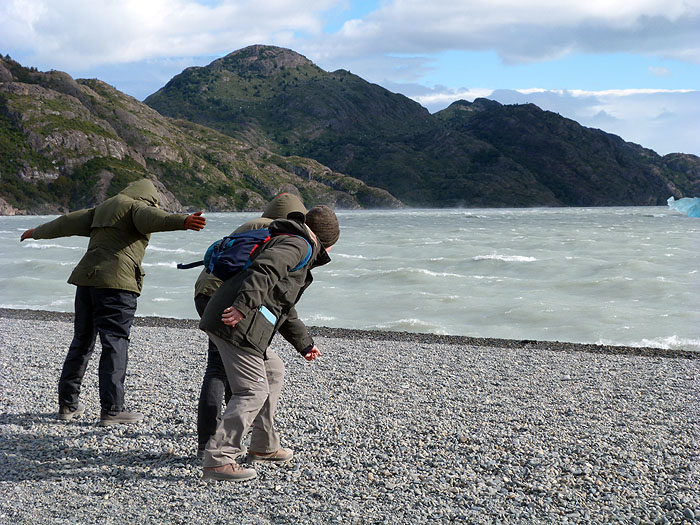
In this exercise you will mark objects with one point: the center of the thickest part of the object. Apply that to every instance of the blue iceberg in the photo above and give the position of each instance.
(688, 205)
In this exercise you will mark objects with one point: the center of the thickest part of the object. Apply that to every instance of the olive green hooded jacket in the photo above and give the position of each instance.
(267, 291)
(119, 231)
(278, 208)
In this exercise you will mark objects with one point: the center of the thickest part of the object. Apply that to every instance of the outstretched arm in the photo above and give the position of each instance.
(148, 219)
(73, 223)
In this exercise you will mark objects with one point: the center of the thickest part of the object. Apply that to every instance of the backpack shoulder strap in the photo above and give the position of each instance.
(309, 251)
(187, 266)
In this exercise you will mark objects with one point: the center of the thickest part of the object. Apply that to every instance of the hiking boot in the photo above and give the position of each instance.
(112, 417)
(279, 456)
(230, 472)
(66, 413)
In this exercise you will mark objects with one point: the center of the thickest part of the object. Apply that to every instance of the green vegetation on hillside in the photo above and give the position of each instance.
(265, 119)
(68, 144)
(478, 154)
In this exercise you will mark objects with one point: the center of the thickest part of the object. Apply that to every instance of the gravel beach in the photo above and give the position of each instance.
(386, 427)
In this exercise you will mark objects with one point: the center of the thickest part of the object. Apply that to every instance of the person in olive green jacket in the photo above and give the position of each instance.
(215, 387)
(109, 279)
(242, 317)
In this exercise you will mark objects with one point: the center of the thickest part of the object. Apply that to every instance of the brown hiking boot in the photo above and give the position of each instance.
(279, 456)
(66, 413)
(230, 472)
(109, 417)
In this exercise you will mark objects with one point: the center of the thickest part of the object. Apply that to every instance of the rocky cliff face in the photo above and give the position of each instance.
(68, 144)
(470, 154)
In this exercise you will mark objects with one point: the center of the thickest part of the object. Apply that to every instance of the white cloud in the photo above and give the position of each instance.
(618, 92)
(660, 71)
(522, 31)
(77, 34)
(445, 98)
(394, 44)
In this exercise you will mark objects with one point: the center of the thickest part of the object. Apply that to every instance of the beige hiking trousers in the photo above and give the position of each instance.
(256, 384)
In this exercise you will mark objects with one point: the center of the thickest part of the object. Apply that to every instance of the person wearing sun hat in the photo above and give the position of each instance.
(241, 318)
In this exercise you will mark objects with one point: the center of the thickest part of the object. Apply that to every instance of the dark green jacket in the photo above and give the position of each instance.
(119, 231)
(268, 283)
(277, 208)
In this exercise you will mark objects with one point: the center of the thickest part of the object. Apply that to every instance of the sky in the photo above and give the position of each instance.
(629, 67)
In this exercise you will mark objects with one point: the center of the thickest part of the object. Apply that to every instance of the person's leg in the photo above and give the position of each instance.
(211, 395)
(114, 313)
(214, 387)
(79, 352)
(265, 438)
(248, 380)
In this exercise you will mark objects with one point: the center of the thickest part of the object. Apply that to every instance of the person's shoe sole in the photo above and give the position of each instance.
(263, 459)
(111, 422)
(217, 476)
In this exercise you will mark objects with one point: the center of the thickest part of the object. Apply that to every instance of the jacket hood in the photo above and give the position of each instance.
(142, 189)
(283, 205)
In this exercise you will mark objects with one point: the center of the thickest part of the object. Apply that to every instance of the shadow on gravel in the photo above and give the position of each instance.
(88, 452)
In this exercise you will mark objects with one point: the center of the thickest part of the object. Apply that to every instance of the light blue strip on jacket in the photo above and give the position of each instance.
(268, 314)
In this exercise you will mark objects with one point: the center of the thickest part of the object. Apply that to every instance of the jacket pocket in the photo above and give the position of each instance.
(261, 329)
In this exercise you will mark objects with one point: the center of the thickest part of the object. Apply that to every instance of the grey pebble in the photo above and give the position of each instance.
(387, 428)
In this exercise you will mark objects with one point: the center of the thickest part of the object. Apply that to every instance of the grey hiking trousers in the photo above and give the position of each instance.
(256, 384)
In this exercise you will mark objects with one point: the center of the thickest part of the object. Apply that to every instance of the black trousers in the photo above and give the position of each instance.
(215, 387)
(109, 313)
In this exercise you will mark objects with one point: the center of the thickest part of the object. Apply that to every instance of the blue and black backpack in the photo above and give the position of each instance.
(234, 253)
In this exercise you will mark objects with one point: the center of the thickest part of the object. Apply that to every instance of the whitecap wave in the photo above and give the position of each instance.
(174, 250)
(38, 246)
(504, 258)
(166, 264)
(497, 278)
(318, 318)
(410, 325)
(671, 342)
(421, 271)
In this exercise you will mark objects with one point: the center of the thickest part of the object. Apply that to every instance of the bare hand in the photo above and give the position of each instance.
(231, 316)
(312, 354)
(195, 221)
(29, 234)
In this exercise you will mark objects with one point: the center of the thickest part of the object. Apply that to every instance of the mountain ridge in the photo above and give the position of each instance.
(390, 141)
(69, 143)
(265, 119)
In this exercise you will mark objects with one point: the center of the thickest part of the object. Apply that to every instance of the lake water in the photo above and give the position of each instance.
(625, 276)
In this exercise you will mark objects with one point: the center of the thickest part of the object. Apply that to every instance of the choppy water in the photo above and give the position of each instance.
(625, 276)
